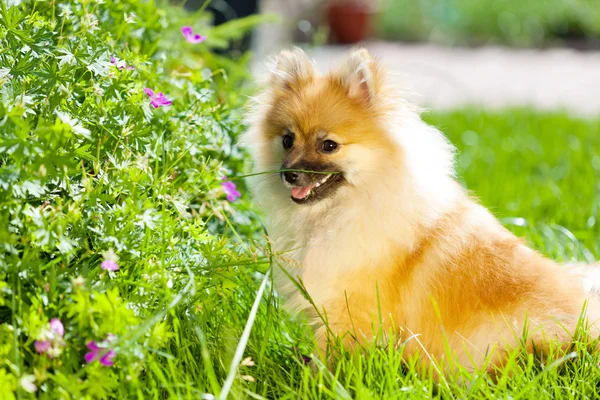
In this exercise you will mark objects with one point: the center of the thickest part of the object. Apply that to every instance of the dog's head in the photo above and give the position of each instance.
(323, 132)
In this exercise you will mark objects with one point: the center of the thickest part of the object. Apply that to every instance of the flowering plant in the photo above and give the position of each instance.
(109, 194)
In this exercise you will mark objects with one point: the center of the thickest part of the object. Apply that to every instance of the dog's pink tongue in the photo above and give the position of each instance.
(301, 192)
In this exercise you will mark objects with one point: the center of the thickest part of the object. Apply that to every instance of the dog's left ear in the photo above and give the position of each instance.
(292, 69)
(360, 75)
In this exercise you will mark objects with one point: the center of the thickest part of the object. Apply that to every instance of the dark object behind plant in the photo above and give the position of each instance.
(227, 10)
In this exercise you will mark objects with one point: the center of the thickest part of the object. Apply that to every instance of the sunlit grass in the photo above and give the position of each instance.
(476, 22)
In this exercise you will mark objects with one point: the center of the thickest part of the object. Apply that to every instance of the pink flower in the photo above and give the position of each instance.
(188, 34)
(110, 261)
(101, 352)
(57, 327)
(109, 265)
(120, 64)
(42, 346)
(230, 190)
(50, 340)
(157, 99)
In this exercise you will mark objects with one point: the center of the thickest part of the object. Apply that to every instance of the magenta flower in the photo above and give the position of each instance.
(50, 340)
(158, 99)
(110, 261)
(120, 64)
(42, 346)
(109, 265)
(57, 327)
(230, 190)
(101, 352)
(188, 34)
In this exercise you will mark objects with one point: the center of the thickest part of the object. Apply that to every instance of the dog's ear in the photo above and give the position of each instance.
(360, 75)
(292, 68)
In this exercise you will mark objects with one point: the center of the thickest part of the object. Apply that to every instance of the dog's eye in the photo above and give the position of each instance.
(329, 146)
(288, 141)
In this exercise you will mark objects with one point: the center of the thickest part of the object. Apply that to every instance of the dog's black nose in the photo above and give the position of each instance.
(291, 177)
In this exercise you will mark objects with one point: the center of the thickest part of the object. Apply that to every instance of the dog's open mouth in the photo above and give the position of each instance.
(319, 190)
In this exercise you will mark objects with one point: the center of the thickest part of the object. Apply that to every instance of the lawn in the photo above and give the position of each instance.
(477, 22)
(129, 270)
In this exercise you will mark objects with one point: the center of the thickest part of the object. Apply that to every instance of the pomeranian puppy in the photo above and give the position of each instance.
(367, 215)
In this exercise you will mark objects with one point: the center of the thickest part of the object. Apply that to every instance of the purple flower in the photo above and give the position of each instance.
(109, 265)
(120, 64)
(50, 340)
(305, 359)
(110, 261)
(101, 352)
(157, 99)
(188, 34)
(57, 327)
(230, 190)
(42, 346)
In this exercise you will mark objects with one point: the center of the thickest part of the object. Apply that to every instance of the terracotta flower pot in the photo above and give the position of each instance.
(349, 21)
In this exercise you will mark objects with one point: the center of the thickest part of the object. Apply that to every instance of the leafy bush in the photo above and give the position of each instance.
(513, 22)
(94, 178)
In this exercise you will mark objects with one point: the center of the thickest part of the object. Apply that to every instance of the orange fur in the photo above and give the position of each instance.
(401, 244)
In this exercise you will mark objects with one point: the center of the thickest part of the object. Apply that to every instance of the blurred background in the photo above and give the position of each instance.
(444, 54)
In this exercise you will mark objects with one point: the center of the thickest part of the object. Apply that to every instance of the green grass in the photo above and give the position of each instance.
(476, 22)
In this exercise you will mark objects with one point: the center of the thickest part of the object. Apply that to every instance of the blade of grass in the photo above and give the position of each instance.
(241, 347)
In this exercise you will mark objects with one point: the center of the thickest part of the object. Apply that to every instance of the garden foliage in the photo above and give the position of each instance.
(111, 197)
